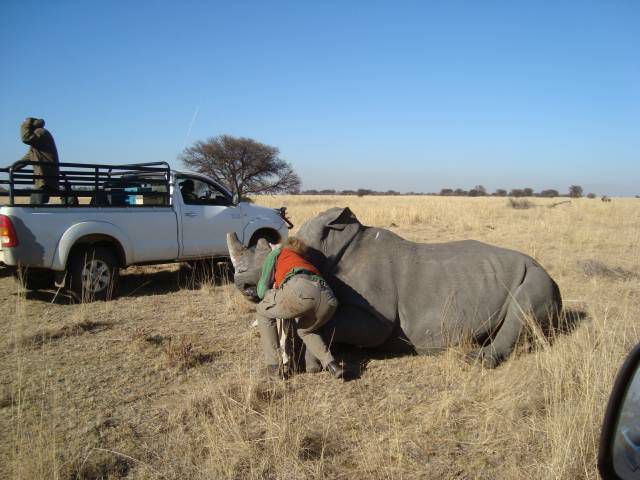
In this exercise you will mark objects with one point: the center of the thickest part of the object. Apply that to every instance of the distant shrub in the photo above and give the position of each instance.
(478, 191)
(550, 193)
(591, 195)
(519, 203)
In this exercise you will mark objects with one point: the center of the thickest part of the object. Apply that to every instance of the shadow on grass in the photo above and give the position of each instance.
(570, 320)
(6, 272)
(45, 336)
(353, 359)
(356, 360)
(142, 284)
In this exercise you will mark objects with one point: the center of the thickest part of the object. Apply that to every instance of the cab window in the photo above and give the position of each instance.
(197, 192)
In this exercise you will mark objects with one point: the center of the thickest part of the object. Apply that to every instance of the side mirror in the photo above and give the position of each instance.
(619, 454)
(235, 199)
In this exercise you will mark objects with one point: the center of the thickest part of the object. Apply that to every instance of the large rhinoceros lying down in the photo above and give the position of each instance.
(396, 294)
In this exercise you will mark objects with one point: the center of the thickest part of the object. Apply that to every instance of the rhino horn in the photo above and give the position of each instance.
(235, 247)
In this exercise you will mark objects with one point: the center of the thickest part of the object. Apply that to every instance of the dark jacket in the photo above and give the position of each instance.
(42, 149)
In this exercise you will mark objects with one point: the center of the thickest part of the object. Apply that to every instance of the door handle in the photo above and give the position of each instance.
(191, 214)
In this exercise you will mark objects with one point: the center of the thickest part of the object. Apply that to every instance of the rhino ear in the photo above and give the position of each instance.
(342, 218)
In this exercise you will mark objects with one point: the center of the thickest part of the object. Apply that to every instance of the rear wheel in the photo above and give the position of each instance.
(93, 273)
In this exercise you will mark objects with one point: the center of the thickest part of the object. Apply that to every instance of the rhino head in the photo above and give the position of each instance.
(327, 235)
(247, 263)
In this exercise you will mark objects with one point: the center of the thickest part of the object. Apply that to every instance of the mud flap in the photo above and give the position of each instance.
(60, 278)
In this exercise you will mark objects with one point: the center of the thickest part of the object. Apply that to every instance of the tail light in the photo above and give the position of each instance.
(8, 237)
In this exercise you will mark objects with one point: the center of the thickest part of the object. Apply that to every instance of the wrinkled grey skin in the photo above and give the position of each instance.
(397, 295)
(247, 263)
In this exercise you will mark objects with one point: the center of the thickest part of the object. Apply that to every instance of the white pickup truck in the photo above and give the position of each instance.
(110, 217)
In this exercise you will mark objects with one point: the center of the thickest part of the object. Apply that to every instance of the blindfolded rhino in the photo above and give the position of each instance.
(399, 295)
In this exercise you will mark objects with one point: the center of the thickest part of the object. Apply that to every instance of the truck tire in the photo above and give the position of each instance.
(34, 279)
(92, 273)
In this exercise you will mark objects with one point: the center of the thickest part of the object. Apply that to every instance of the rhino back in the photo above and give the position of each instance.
(438, 292)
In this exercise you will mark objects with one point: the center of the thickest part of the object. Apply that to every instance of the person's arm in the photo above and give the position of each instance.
(30, 134)
(266, 278)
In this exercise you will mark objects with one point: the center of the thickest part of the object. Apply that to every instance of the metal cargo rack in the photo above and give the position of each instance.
(91, 185)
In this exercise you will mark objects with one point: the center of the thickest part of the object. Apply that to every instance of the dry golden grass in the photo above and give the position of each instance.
(162, 382)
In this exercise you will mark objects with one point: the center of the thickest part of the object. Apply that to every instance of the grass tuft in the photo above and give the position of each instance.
(520, 203)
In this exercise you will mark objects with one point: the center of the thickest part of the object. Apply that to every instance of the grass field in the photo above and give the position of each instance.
(162, 382)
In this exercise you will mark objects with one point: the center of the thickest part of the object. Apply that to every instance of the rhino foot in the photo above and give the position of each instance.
(483, 357)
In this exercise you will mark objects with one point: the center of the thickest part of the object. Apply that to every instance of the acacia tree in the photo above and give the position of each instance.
(244, 165)
(575, 191)
(478, 191)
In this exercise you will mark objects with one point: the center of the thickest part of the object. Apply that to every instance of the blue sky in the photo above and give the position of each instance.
(411, 96)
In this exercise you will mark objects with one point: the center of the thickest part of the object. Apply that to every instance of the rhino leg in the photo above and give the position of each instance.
(397, 343)
(353, 325)
(538, 297)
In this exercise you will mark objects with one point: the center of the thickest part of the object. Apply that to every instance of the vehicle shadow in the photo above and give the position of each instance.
(141, 284)
(6, 272)
(144, 283)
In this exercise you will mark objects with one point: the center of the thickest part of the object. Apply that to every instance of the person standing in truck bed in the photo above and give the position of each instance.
(42, 148)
